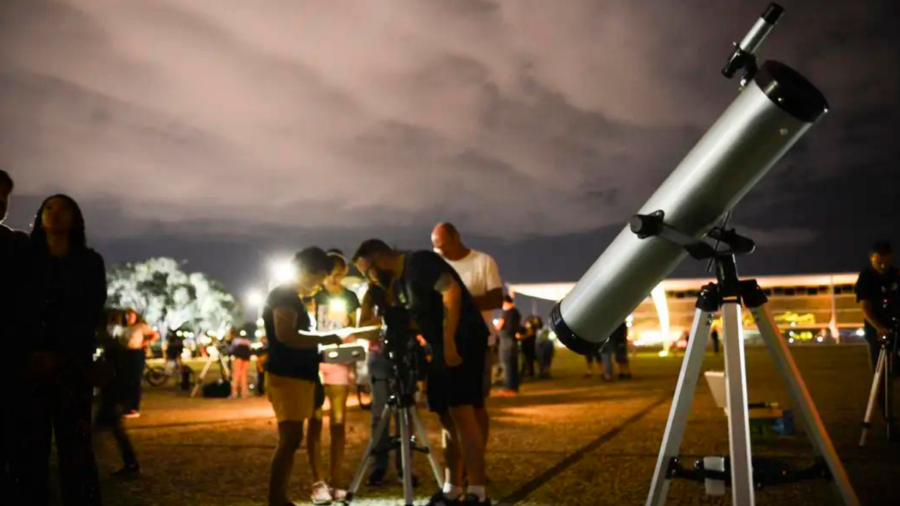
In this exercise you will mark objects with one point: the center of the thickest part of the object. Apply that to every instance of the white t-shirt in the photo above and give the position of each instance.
(480, 274)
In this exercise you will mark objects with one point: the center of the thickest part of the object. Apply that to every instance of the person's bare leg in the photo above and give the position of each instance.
(338, 398)
(245, 384)
(290, 435)
(484, 424)
(314, 448)
(453, 461)
(470, 444)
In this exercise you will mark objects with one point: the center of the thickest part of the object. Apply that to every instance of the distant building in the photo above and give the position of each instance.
(809, 308)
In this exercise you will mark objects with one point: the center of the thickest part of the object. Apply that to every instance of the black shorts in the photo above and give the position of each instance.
(458, 386)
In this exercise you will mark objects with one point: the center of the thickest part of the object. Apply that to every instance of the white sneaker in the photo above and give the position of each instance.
(321, 494)
(339, 495)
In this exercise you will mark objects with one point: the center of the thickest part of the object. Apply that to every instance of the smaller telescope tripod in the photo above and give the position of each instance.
(883, 380)
(403, 407)
(223, 369)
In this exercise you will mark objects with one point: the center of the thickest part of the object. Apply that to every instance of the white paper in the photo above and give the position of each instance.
(342, 333)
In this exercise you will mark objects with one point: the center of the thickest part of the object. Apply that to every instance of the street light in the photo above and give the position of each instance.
(283, 271)
(255, 298)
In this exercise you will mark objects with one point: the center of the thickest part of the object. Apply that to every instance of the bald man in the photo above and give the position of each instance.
(481, 276)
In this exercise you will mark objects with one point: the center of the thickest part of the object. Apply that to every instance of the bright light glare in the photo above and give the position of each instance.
(791, 340)
(283, 271)
(255, 298)
(861, 333)
(820, 339)
(664, 353)
(337, 306)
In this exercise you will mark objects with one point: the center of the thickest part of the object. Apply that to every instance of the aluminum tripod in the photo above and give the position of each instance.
(727, 295)
(883, 382)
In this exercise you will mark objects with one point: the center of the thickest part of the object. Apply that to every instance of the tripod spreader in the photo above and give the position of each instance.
(767, 472)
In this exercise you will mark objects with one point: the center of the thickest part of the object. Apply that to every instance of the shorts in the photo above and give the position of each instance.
(457, 386)
(337, 397)
(293, 399)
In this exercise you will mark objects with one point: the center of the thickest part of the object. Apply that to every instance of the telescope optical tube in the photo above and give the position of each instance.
(771, 114)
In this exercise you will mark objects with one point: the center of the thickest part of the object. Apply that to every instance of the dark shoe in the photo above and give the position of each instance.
(472, 500)
(376, 479)
(439, 499)
(127, 471)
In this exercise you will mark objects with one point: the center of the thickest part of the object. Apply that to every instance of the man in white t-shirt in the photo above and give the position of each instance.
(481, 276)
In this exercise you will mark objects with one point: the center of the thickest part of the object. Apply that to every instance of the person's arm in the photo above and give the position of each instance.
(451, 293)
(501, 323)
(869, 311)
(493, 299)
(285, 324)
(490, 301)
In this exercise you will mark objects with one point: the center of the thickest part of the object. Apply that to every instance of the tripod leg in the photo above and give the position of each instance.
(423, 440)
(406, 455)
(202, 376)
(681, 407)
(370, 450)
(873, 398)
(888, 375)
(742, 490)
(784, 362)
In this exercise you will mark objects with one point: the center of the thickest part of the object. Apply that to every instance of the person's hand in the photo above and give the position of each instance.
(453, 359)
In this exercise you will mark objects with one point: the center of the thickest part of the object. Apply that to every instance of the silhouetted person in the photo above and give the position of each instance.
(714, 335)
(13, 256)
(67, 291)
(509, 326)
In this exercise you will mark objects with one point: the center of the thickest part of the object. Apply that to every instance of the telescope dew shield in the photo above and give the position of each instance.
(771, 113)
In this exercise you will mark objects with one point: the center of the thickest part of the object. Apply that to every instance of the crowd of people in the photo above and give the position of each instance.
(53, 296)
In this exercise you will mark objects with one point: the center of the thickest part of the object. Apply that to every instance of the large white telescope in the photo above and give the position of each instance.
(775, 108)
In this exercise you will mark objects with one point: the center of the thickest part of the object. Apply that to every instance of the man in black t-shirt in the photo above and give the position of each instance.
(293, 363)
(878, 291)
(448, 318)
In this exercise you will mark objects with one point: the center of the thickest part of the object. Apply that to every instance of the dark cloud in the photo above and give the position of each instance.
(538, 127)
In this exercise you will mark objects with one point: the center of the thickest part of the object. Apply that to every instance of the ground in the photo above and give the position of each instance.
(566, 441)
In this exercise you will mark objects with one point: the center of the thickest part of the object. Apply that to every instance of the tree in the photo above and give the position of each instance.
(168, 297)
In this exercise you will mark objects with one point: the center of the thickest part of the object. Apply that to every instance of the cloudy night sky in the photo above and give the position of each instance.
(231, 133)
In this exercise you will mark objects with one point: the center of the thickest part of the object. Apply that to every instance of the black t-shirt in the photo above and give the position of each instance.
(512, 319)
(14, 248)
(882, 290)
(283, 359)
(415, 291)
(333, 311)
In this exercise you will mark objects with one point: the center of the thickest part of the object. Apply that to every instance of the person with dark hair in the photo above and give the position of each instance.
(67, 292)
(115, 393)
(446, 315)
(138, 337)
(13, 257)
(240, 351)
(293, 362)
(878, 291)
(509, 325)
(335, 307)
